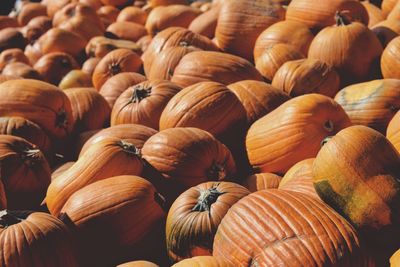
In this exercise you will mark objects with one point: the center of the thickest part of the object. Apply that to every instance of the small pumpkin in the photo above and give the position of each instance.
(114, 2)
(261, 181)
(305, 76)
(144, 42)
(202, 261)
(133, 14)
(154, 3)
(395, 13)
(127, 30)
(12, 55)
(205, 23)
(22, 70)
(33, 53)
(390, 59)
(30, 11)
(54, 6)
(100, 46)
(293, 132)
(76, 78)
(117, 61)
(372, 103)
(393, 131)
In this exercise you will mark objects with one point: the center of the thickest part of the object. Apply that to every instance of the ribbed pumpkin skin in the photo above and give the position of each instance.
(117, 84)
(241, 20)
(89, 109)
(200, 66)
(390, 60)
(107, 158)
(132, 133)
(117, 61)
(206, 23)
(26, 129)
(393, 131)
(372, 104)
(286, 32)
(194, 217)
(261, 181)
(40, 240)
(318, 14)
(138, 264)
(258, 98)
(38, 102)
(202, 261)
(293, 132)
(209, 106)
(174, 36)
(306, 76)
(296, 230)
(352, 49)
(119, 212)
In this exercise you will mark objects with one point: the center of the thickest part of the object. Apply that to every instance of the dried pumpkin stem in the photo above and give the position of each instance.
(140, 93)
(130, 148)
(206, 199)
(114, 69)
(341, 19)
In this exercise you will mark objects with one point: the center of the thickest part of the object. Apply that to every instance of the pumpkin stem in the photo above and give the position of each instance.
(130, 148)
(326, 140)
(29, 155)
(8, 218)
(114, 69)
(217, 172)
(61, 119)
(329, 126)
(206, 199)
(184, 43)
(139, 93)
(341, 19)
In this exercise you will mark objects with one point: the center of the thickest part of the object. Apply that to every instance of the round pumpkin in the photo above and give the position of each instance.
(36, 28)
(114, 2)
(35, 239)
(357, 173)
(30, 11)
(202, 261)
(133, 14)
(26, 129)
(195, 215)
(390, 59)
(395, 13)
(127, 30)
(100, 46)
(375, 14)
(372, 103)
(12, 55)
(294, 228)
(38, 102)
(76, 78)
(293, 132)
(117, 61)
(393, 131)
(104, 159)
(206, 23)
(84, 26)
(54, 6)
(76, 9)
(261, 181)
(61, 169)
(144, 42)
(22, 70)
(258, 98)
(306, 76)
(143, 103)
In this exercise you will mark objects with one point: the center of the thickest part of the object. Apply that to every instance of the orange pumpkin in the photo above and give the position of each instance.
(127, 30)
(76, 78)
(33, 53)
(36, 28)
(89, 65)
(144, 42)
(3, 198)
(393, 131)
(154, 3)
(22, 70)
(30, 11)
(261, 181)
(8, 22)
(390, 59)
(205, 23)
(108, 14)
(54, 6)
(133, 14)
(395, 13)
(114, 2)
(100, 46)
(293, 132)
(395, 259)
(83, 26)
(74, 10)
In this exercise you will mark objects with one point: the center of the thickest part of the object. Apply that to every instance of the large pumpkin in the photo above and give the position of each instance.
(35, 239)
(357, 173)
(372, 104)
(195, 215)
(294, 229)
(38, 102)
(293, 132)
(143, 103)
(393, 131)
(107, 158)
(241, 20)
(390, 59)
(77, 9)
(200, 66)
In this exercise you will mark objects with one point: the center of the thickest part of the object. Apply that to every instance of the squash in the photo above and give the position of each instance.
(194, 217)
(12, 55)
(205, 23)
(390, 59)
(127, 30)
(393, 131)
(293, 132)
(133, 14)
(261, 181)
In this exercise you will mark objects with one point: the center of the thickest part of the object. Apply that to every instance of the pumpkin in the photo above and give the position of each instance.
(89, 109)
(194, 217)
(205, 23)
(8, 22)
(22, 70)
(84, 26)
(11, 38)
(144, 42)
(299, 178)
(163, 17)
(366, 194)
(30, 11)
(4, 78)
(387, 6)
(318, 14)
(107, 158)
(100, 46)
(306, 76)
(25, 172)
(245, 20)
(164, 64)
(76, 78)
(390, 59)
(36, 28)
(127, 30)
(35, 239)
(372, 103)
(59, 40)
(12, 55)
(143, 103)
(89, 65)
(258, 98)
(133, 14)
(289, 32)
(174, 36)
(39, 102)
(117, 84)
(52, 67)
(3, 198)
(154, 3)
(114, 2)
(187, 157)
(201, 261)
(54, 6)
(393, 131)
(395, 13)
(100, 211)
(386, 31)
(95, 4)
(201, 66)
(26, 129)
(117, 61)
(395, 259)
(375, 14)
(135, 134)
(294, 228)
(83, 137)
(261, 181)
(74, 10)
(340, 47)
(108, 14)
(293, 132)
(61, 169)
(33, 53)
(138, 264)
(274, 56)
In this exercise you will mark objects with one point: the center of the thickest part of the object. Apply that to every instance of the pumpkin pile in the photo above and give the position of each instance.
(207, 133)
